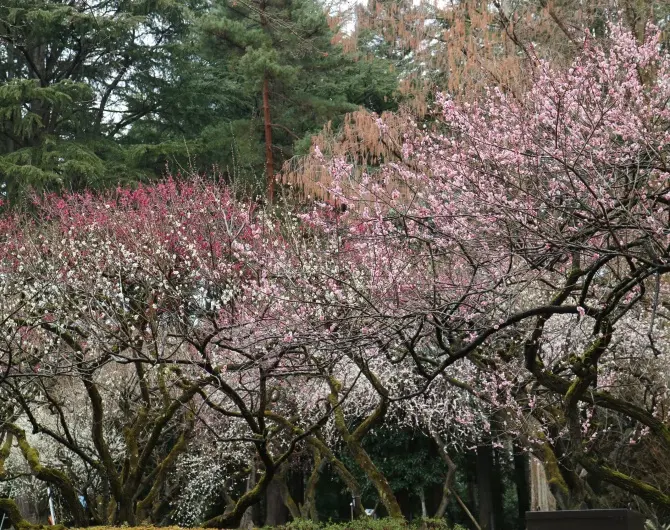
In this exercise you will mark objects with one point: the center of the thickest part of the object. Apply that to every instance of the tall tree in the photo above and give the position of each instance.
(537, 228)
(282, 53)
(74, 76)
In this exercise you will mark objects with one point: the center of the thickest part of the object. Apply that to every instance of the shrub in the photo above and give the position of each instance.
(370, 524)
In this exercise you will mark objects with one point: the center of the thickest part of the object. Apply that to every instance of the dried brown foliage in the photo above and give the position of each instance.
(359, 141)
(461, 47)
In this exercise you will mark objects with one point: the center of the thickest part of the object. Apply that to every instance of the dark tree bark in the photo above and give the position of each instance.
(276, 512)
(484, 483)
(497, 490)
(522, 482)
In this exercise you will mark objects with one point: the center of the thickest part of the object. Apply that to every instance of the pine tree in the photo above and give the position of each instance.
(97, 93)
(281, 53)
(74, 76)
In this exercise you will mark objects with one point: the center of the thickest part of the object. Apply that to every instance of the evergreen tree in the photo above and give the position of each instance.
(97, 93)
(74, 76)
(281, 53)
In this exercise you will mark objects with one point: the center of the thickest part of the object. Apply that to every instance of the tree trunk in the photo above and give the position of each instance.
(375, 476)
(287, 497)
(52, 476)
(521, 479)
(360, 455)
(484, 483)
(349, 481)
(276, 512)
(126, 513)
(232, 518)
(422, 498)
(449, 479)
(308, 509)
(497, 490)
(247, 521)
(14, 515)
(269, 162)
(471, 465)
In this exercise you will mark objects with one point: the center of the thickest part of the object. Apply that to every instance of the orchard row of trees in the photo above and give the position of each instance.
(169, 347)
(171, 352)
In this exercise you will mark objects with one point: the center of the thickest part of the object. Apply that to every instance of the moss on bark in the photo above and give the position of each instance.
(361, 456)
(50, 475)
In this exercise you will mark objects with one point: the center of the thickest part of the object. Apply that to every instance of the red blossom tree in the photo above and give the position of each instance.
(128, 314)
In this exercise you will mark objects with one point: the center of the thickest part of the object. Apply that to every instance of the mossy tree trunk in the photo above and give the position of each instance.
(308, 508)
(130, 493)
(359, 454)
(319, 445)
(52, 476)
(13, 514)
(570, 491)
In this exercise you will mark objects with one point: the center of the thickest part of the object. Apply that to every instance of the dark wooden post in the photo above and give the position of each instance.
(585, 520)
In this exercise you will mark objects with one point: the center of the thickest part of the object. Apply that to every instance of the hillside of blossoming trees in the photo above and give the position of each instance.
(458, 310)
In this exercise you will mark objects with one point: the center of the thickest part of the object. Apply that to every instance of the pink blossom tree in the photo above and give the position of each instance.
(529, 235)
(517, 253)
